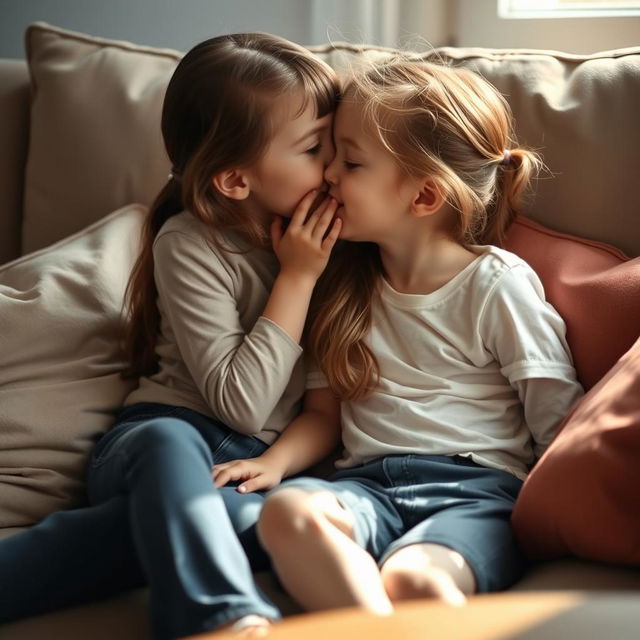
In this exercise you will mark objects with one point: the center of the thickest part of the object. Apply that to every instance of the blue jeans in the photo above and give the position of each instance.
(400, 500)
(154, 517)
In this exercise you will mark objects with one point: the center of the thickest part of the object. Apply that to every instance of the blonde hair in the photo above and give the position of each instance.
(435, 120)
(216, 115)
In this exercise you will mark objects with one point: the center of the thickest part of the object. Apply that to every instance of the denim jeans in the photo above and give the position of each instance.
(154, 517)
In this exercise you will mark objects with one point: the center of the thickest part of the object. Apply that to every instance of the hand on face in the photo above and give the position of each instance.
(303, 249)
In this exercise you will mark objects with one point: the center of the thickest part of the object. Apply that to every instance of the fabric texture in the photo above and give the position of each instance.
(217, 355)
(595, 288)
(60, 311)
(451, 367)
(582, 497)
(95, 122)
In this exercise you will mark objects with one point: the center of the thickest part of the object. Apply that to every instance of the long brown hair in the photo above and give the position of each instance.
(215, 116)
(438, 121)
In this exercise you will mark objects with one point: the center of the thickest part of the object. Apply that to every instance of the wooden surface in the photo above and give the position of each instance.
(548, 615)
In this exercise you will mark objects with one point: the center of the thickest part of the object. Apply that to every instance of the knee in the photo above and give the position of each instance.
(165, 433)
(287, 517)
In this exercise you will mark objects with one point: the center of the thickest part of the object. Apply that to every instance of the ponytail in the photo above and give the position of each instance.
(141, 311)
(516, 170)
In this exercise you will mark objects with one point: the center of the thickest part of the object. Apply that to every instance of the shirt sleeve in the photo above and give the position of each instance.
(241, 374)
(315, 378)
(526, 335)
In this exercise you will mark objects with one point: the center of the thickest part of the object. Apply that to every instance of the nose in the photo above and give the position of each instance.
(330, 173)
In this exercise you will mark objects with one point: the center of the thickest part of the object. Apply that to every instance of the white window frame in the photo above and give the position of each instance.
(567, 8)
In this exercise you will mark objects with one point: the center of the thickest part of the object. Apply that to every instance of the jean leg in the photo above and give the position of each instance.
(198, 574)
(68, 558)
(244, 510)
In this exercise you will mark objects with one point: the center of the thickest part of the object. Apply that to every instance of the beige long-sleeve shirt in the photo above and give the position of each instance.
(217, 354)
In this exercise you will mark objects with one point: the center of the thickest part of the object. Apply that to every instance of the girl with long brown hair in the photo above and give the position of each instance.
(452, 370)
(217, 303)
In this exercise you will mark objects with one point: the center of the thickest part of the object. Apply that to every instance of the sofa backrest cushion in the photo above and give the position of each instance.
(95, 130)
(60, 384)
(95, 140)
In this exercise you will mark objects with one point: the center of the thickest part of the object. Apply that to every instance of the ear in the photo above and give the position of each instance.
(428, 200)
(232, 183)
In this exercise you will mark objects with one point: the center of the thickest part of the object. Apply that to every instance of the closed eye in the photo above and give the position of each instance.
(314, 150)
(351, 165)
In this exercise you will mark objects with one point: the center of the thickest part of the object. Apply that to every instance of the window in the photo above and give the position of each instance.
(567, 8)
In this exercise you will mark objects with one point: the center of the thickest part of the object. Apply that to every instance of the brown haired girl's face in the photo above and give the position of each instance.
(375, 196)
(295, 159)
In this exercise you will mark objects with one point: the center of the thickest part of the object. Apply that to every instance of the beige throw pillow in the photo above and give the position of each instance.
(60, 310)
(95, 142)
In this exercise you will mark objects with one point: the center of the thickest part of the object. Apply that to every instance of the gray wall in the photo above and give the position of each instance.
(176, 24)
(179, 24)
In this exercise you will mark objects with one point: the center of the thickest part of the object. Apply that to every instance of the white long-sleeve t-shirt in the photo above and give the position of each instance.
(217, 354)
(479, 368)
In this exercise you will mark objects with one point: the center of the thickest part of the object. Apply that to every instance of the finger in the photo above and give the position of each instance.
(255, 484)
(228, 474)
(319, 210)
(301, 211)
(330, 239)
(325, 219)
(220, 479)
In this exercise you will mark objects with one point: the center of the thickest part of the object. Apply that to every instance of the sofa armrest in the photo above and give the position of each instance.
(14, 139)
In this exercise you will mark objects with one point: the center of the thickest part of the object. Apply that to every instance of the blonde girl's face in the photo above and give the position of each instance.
(374, 195)
(295, 159)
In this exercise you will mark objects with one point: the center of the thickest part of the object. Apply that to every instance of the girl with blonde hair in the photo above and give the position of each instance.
(451, 371)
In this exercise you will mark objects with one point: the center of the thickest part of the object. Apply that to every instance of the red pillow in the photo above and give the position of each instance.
(593, 286)
(583, 496)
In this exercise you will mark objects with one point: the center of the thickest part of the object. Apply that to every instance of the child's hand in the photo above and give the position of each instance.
(305, 246)
(256, 473)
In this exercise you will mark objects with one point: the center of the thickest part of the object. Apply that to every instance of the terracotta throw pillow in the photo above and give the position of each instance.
(593, 286)
(60, 383)
(583, 496)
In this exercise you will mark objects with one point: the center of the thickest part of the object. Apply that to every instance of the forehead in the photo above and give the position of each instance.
(292, 114)
(351, 124)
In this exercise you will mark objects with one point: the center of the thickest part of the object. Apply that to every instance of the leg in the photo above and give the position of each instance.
(244, 510)
(312, 534)
(69, 557)
(427, 571)
(198, 574)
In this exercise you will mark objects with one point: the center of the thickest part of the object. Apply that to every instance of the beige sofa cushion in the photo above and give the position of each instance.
(60, 310)
(95, 130)
(96, 145)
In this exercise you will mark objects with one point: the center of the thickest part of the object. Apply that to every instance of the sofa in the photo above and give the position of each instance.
(82, 157)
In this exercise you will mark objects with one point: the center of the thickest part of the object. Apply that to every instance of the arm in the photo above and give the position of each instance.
(308, 439)
(241, 374)
(527, 337)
